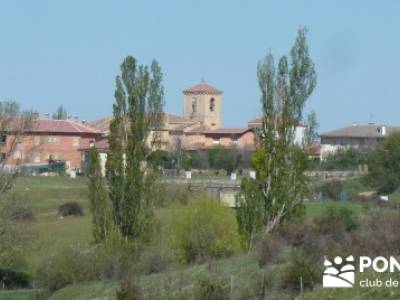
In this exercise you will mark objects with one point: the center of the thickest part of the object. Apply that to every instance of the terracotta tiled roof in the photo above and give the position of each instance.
(171, 122)
(362, 131)
(197, 129)
(102, 124)
(227, 131)
(203, 88)
(259, 120)
(60, 126)
(171, 118)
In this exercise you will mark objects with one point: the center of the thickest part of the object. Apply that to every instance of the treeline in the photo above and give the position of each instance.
(216, 158)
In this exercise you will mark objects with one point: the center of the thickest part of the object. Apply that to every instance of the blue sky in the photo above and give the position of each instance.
(69, 52)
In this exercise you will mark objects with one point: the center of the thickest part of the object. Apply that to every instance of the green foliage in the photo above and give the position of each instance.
(279, 162)
(344, 159)
(129, 290)
(60, 114)
(98, 199)
(223, 158)
(160, 158)
(204, 229)
(384, 166)
(71, 208)
(70, 265)
(250, 213)
(11, 279)
(137, 112)
(332, 189)
(310, 132)
(211, 287)
(337, 215)
(301, 267)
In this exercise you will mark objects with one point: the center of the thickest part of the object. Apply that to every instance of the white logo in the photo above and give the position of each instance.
(339, 274)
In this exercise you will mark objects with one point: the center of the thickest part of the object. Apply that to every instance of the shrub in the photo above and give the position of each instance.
(71, 208)
(301, 268)
(211, 287)
(154, 260)
(10, 279)
(332, 189)
(22, 214)
(337, 215)
(204, 229)
(129, 289)
(71, 265)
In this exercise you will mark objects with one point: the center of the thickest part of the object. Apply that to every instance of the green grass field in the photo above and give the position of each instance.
(46, 194)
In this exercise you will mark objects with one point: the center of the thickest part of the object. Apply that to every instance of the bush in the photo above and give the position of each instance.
(22, 214)
(10, 279)
(345, 159)
(71, 208)
(301, 268)
(204, 229)
(129, 289)
(332, 189)
(211, 288)
(71, 265)
(337, 215)
(154, 260)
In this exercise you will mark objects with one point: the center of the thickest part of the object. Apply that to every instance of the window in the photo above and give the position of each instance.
(36, 140)
(52, 140)
(212, 104)
(3, 138)
(194, 106)
(75, 141)
(3, 156)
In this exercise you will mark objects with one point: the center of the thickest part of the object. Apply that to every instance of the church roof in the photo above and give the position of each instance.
(202, 88)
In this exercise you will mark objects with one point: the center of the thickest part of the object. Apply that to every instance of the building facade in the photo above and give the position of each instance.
(363, 137)
(46, 140)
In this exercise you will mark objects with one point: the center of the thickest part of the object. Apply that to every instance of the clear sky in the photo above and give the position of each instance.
(69, 52)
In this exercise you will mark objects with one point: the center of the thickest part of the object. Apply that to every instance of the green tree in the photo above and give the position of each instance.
(98, 199)
(136, 124)
(384, 166)
(278, 161)
(222, 158)
(311, 129)
(204, 229)
(250, 212)
(14, 237)
(60, 114)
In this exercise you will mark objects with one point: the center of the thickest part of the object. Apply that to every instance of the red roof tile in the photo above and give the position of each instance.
(227, 131)
(60, 126)
(203, 88)
(259, 121)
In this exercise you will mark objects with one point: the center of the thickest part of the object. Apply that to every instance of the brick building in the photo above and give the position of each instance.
(46, 140)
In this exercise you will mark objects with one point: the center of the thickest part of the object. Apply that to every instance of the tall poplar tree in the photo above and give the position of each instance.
(98, 199)
(279, 162)
(134, 131)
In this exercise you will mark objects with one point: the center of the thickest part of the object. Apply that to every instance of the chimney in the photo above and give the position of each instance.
(76, 118)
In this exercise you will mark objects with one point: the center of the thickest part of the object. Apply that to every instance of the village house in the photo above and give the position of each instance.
(363, 137)
(198, 129)
(45, 140)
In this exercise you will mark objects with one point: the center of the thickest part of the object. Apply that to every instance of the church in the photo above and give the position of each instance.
(199, 127)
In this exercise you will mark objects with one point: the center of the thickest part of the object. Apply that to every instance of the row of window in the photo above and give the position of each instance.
(211, 105)
(48, 140)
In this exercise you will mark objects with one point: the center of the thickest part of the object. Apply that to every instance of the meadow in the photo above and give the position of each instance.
(53, 233)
